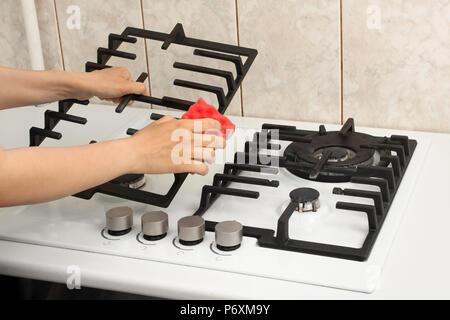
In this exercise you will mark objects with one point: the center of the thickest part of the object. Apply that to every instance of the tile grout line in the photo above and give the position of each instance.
(341, 53)
(59, 36)
(239, 44)
(146, 52)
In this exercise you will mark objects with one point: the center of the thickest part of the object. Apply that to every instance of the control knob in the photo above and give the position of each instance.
(155, 225)
(228, 235)
(119, 220)
(191, 230)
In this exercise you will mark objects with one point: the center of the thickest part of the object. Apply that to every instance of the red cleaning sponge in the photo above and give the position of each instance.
(202, 110)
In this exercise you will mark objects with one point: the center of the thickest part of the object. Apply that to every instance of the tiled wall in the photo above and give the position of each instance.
(396, 57)
(384, 62)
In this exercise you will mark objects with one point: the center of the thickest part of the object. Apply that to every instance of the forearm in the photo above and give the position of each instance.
(32, 175)
(23, 87)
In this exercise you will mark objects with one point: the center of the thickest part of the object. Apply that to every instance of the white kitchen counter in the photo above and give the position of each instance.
(418, 265)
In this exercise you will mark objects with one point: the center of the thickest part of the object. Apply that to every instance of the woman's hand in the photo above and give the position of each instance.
(108, 84)
(169, 145)
(26, 88)
(30, 175)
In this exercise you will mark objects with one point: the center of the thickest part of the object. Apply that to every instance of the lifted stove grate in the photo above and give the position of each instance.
(386, 174)
(204, 48)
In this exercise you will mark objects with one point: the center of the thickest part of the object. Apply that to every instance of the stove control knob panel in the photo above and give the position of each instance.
(228, 235)
(119, 221)
(154, 225)
(191, 230)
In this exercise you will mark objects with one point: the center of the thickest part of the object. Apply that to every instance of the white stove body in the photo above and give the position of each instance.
(77, 224)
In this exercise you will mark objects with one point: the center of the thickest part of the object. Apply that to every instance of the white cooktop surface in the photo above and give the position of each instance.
(73, 223)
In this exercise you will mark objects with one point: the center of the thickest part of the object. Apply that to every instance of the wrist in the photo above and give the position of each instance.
(81, 85)
(131, 157)
(74, 85)
(66, 84)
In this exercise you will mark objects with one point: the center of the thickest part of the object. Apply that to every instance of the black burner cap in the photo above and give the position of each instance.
(304, 195)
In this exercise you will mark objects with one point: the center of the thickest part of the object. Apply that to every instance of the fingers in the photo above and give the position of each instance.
(137, 88)
(117, 100)
(114, 83)
(133, 87)
(188, 152)
(208, 140)
(194, 167)
(203, 154)
(200, 125)
(200, 139)
(188, 139)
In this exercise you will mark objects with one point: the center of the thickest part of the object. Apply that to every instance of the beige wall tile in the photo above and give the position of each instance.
(296, 74)
(397, 63)
(13, 39)
(98, 20)
(213, 20)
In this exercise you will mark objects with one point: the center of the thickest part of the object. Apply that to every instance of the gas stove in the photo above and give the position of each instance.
(303, 203)
(261, 198)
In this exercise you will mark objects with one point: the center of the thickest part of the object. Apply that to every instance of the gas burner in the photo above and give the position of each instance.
(306, 198)
(334, 150)
(132, 181)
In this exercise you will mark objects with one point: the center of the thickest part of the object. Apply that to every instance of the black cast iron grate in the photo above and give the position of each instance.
(204, 48)
(387, 175)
